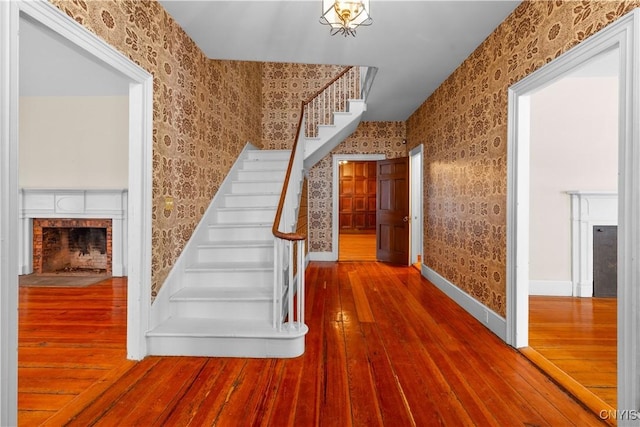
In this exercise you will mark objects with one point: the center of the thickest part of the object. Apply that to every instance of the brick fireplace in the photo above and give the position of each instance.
(72, 246)
(89, 225)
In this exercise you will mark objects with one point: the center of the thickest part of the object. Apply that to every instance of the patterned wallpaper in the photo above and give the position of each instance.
(284, 87)
(463, 127)
(369, 138)
(204, 112)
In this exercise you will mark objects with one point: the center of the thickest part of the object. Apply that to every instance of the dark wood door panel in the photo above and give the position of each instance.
(392, 226)
(357, 196)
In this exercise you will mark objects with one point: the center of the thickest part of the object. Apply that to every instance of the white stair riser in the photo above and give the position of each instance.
(261, 175)
(213, 278)
(233, 215)
(265, 165)
(225, 346)
(250, 187)
(223, 309)
(268, 155)
(236, 233)
(251, 200)
(231, 254)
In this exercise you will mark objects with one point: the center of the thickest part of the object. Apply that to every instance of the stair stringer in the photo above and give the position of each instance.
(329, 136)
(160, 308)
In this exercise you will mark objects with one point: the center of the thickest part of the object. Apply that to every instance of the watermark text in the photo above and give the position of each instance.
(620, 414)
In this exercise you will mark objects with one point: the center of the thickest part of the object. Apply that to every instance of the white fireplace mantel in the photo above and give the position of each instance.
(588, 209)
(74, 204)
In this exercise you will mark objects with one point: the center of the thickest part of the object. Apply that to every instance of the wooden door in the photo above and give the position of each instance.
(392, 202)
(357, 198)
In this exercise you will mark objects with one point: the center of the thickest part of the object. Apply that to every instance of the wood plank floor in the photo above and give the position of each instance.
(357, 247)
(579, 336)
(69, 339)
(385, 347)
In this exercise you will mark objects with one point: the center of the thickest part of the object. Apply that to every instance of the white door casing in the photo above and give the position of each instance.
(140, 168)
(624, 35)
(416, 200)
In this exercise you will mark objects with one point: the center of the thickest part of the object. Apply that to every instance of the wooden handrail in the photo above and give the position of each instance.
(276, 223)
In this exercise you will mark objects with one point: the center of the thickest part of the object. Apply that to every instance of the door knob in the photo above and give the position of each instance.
(405, 219)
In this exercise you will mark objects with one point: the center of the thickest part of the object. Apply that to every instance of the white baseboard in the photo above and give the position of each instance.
(556, 288)
(322, 256)
(496, 323)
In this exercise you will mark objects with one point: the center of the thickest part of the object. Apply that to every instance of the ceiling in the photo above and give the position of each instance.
(52, 66)
(416, 45)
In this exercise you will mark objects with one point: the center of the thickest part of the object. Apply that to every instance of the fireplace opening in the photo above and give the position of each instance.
(72, 246)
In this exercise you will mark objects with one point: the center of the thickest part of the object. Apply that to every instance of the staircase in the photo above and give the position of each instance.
(224, 306)
(230, 293)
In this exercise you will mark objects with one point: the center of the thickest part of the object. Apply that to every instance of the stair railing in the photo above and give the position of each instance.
(289, 246)
(333, 97)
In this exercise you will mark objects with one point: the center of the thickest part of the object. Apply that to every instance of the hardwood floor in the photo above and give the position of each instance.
(357, 247)
(578, 336)
(385, 347)
(70, 338)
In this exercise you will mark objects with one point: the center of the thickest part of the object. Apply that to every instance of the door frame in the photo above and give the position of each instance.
(139, 191)
(416, 204)
(623, 34)
(335, 216)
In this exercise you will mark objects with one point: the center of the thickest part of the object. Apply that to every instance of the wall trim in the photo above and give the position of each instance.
(416, 191)
(322, 256)
(9, 14)
(554, 288)
(482, 313)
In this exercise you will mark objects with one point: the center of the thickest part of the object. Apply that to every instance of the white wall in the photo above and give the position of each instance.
(573, 147)
(74, 142)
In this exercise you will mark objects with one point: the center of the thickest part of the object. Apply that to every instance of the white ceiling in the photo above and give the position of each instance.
(52, 66)
(414, 44)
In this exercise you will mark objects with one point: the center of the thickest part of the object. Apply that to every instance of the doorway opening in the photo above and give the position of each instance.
(139, 137)
(368, 238)
(576, 119)
(520, 201)
(357, 210)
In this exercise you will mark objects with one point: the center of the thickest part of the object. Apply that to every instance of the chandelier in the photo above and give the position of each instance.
(344, 16)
